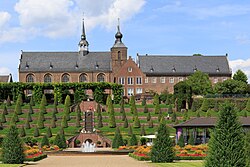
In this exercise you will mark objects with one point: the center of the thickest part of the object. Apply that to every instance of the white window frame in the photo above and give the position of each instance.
(130, 69)
(224, 79)
(171, 80)
(180, 79)
(122, 80)
(130, 80)
(163, 79)
(137, 90)
(138, 80)
(153, 80)
(130, 91)
(216, 80)
(146, 80)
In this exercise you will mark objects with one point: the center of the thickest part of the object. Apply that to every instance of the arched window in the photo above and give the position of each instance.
(30, 78)
(83, 78)
(100, 77)
(119, 56)
(47, 78)
(65, 78)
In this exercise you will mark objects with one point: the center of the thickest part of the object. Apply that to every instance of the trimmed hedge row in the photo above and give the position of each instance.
(38, 158)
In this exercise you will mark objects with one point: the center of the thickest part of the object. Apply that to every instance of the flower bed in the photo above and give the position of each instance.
(139, 157)
(50, 148)
(33, 153)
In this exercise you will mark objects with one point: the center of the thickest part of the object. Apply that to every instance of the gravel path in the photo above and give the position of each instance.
(89, 161)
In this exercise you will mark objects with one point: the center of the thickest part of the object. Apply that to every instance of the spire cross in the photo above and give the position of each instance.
(118, 26)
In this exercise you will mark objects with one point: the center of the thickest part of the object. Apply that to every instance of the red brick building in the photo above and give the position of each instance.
(148, 73)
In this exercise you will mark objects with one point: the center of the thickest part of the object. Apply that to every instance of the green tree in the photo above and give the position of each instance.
(191, 139)
(53, 123)
(12, 148)
(32, 102)
(117, 141)
(156, 104)
(63, 141)
(67, 108)
(22, 132)
(61, 131)
(144, 102)
(170, 109)
(148, 116)
(42, 107)
(198, 114)
(230, 86)
(64, 122)
(55, 110)
(150, 123)
(49, 133)
(109, 102)
(208, 114)
(125, 125)
(205, 105)
(14, 118)
(100, 124)
(248, 105)
(132, 104)
(40, 121)
(181, 142)
(133, 140)
(36, 132)
(27, 124)
(54, 115)
(162, 146)
(174, 117)
(8, 101)
(44, 100)
(55, 99)
(136, 123)
(240, 76)
(226, 146)
(143, 132)
(20, 99)
(3, 119)
(5, 110)
(31, 109)
(45, 141)
(18, 108)
(130, 130)
(200, 83)
(123, 115)
(112, 123)
(247, 148)
(145, 108)
(58, 141)
(28, 117)
(122, 106)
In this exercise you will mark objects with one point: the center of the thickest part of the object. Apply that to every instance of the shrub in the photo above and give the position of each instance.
(112, 123)
(18, 108)
(125, 125)
(191, 139)
(145, 108)
(20, 99)
(143, 103)
(181, 142)
(8, 101)
(130, 131)
(45, 141)
(32, 102)
(36, 132)
(170, 109)
(40, 122)
(31, 109)
(12, 148)
(28, 117)
(174, 117)
(42, 107)
(156, 104)
(143, 132)
(3, 119)
(53, 123)
(247, 148)
(137, 122)
(132, 105)
(148, 116)
(150, 123)
(100, 124)
(44, 100)
(143, 141)
(248, 105)
(5, 110)
(67, 107)
(205, 105)
(133, 140)
(22, 132)
(122, 106)
(117, 141)
(64, 122)
(49, 133)
(27, 124)
(55, 99)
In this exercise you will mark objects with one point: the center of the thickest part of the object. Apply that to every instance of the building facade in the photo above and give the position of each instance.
(148, 73)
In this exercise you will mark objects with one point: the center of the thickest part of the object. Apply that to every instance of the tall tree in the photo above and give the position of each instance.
(133, 140)
(18, 108)
(117, 141)
(163, 146)
(12, 148)
(247, 148)
(248, 105)
(49, 133)
(133, 108)
(112, 123)
(8, 101)
(156, 104)
(44, 100)
(5, 110)
(240, 76)
(32, 102)
(230, 86)
(67, 107)
(42, 106)
(226, 146)
(200, 83)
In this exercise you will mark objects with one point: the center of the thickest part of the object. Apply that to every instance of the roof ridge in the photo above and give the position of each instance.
(181, 56)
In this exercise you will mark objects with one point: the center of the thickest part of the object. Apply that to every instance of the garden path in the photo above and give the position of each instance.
(89, 161)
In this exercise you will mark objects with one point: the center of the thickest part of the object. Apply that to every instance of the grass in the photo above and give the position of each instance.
(11, 165)
(179, 164)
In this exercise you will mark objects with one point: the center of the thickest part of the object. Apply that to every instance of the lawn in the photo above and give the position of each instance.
(11, 165)
(179, 164)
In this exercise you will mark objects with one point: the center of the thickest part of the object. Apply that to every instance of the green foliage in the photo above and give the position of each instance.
(130, 130)
(200, 83)
(22, 132)
(98, 94)
(248, 105)
(12, 148)
(14, 118)
(247, 149)
(148, 116)
(18, 108)
(150, 123)
(156, 103)
(28, 117)
(53, 123)
(181, 142)
(216, 106)
(145, 108)
(3, 119)
(100, 124)
(122, 106)
(162, 146)
(125, 125)
(191, 139)
(55, 99)
(54, 115)
(230, 86)
(8, 101)
(49, 133)
(31, 109)
(195, 105)
(64, 122)
(143, 132)
(45, 141)
(40, 121)
(174, 117)
(205, 105)
(55, 110)
(240, 76)
(170, 109)
(226, 145)
(123, 115)
(136, 123)
(58, 141)
(198, 114)
(208, 114)
(36, 132)
(133, 108)
(185, 116)
(66, 109)
(133, 140)
(20, 99)
(63, 141)
(182, 93)
(5, 110)
(144, 102)
(42, 107)
(61, 131)
(27, 124)
(44, 100)
(112, 123)
(32, 102)
(117, 141)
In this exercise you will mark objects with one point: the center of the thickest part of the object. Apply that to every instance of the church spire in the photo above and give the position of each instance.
(118, 36)
(83, 44)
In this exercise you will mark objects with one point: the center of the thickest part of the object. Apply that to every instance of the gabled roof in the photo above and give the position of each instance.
(183, 65)
(64, 62)
(209, 122)
(6, 78)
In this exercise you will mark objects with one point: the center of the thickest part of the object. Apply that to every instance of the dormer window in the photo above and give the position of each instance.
(26, 66)
(50, 66)
(130, 69)
(173, 69)
(217, 69)
(96, 66)
(195, 69)
(76, 66)
(151, 69)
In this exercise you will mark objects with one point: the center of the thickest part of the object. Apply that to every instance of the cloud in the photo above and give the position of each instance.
(241, 64)
(4, 71)
(62, 18)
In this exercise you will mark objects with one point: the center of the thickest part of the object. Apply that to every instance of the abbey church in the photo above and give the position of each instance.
(149, 72)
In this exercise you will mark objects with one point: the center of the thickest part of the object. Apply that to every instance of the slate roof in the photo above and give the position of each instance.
(183, 65)
(64, 62)
(6, 78)
(209, 122)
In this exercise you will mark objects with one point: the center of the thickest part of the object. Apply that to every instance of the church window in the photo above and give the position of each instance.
(47, 78)
(65, 78)
(83, 78)
(30, 78)
(100, 77)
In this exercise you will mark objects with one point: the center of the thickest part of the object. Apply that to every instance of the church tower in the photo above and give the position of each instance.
(83, 44)
(118, 51)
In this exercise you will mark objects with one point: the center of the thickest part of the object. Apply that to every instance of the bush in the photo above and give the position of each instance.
(44, 100)
(53, 123)
(18, 108)
(5, 110)
(45, 141)
(3, 119)
(64, 122)
(157, 104)
(148, 116)
(130, 131)
(150, 123)
(143, 132)
(22, 132)
(137, 122)
(133, 140)
(42, 107)
(27, 124)
(8, 101)
(32, 102)
(170, 109)
(125, 125)
(117, 141)
(12, 148)
(36, 132)
(181, 142)
(31, 109)
(67, 108)
(49, 133)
